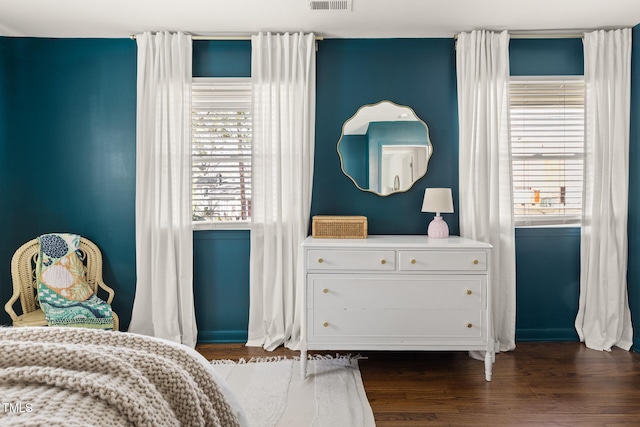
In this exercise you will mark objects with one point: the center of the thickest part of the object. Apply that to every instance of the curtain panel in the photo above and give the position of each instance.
(604, 318)
(486, 198)
(283, 73)
(163, 305)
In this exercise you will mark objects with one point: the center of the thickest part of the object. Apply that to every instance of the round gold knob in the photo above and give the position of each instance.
(320, 260)
(413, 261)
(469, 292)
(325, 324)
(325, 290)
(475, 261)
(469, 325)
(383, 262)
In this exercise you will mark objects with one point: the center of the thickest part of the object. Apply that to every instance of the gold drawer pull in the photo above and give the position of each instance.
(325, 290)
(469, 291)
(413, 261)
(325, 324)
(320, 260)
(476, 262)
(383, 261)
(469, 325)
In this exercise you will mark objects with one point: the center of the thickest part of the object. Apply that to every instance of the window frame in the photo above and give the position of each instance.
(551, 220)
(219, 225)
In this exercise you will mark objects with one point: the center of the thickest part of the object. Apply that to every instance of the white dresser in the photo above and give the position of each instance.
(397, 293)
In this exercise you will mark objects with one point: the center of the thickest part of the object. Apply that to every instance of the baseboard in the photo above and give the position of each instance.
(636, 345)
(522, 335)
(549, 335)
(210, 337)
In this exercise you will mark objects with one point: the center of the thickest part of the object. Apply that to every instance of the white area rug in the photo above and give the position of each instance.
(273, 393)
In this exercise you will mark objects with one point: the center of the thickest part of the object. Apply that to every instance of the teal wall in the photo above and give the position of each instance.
(546, 57)
(67, 162)
(221, 258)
(68, 156)
(419, 73)
(5, 269)
(634, 191)
(221, 282)
(230, 58)
(547, 259)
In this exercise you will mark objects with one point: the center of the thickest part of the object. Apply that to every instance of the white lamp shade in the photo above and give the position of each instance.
(438, 200)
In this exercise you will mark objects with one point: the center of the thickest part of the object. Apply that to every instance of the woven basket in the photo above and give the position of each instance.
(339, 227)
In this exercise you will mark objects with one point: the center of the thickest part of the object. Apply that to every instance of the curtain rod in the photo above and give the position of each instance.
(546, 36)
(133, 37)
(542, 36)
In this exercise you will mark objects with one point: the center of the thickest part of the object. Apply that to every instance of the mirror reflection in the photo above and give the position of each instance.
(384, 148)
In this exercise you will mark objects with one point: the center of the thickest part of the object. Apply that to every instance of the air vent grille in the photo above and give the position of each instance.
(330, 4)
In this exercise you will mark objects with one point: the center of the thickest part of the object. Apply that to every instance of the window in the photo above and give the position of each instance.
(547, 142)
(221, 152)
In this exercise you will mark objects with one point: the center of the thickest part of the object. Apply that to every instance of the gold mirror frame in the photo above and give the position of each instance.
(397, 163)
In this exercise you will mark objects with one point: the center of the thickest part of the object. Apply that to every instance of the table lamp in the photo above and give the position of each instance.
(438, 200)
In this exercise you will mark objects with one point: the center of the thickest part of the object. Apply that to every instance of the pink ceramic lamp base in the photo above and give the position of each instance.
(438, 229)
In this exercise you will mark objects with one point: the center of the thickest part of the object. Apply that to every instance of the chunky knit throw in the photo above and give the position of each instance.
(83, 377)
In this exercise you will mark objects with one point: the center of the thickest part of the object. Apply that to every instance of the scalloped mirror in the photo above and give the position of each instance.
(384, 148)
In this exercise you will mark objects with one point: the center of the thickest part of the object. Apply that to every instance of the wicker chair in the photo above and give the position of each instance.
(23, 266)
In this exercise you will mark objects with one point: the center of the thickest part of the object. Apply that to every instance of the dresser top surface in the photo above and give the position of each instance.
(396, 241)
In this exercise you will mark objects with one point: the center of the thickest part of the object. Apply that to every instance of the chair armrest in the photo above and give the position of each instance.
(8, 307)
(108, 290)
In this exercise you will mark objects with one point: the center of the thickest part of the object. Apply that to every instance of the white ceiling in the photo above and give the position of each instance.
(369, 18)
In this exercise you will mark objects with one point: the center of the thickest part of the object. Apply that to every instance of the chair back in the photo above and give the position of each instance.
(23, 270)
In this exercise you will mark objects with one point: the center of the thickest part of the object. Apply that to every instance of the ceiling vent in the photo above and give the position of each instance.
(331, 5)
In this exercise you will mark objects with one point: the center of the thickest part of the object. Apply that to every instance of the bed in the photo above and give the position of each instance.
(83, 377)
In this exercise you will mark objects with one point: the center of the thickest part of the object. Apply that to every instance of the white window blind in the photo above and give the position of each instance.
(221, 152)
(547, 141)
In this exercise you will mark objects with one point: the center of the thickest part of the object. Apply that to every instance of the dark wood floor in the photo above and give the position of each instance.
(538, 384)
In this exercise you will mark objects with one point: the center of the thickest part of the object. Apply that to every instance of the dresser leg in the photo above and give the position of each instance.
(303, 363)
(488, 365)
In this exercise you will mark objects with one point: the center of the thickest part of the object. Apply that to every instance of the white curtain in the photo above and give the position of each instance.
(486, 200)
(283, 73)
(604, 319)
(163, 305)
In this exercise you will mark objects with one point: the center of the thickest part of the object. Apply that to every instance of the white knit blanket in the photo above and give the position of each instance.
(82, 377)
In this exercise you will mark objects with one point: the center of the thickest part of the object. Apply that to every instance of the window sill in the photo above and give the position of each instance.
(221, 225)
(548, 226)
(546, 221)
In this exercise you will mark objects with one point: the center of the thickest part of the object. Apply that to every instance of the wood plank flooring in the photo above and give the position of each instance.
(537, 384)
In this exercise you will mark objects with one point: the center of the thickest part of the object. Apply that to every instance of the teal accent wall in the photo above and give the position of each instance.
(419, 73)
(221, 58)
(72, 102)
(547, 283)
(67, 163)
(634, 191)
(221, 257)
(546, 57)
(547, 259)
(5, 269)
(221, 284)
(68, 151)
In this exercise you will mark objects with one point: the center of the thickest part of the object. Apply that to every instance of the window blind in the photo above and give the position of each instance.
(221, 150)
(547, 142)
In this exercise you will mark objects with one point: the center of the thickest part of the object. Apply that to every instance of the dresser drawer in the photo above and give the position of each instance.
(363, 292)
(323, 260)
(443, 261)
(396, 324)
